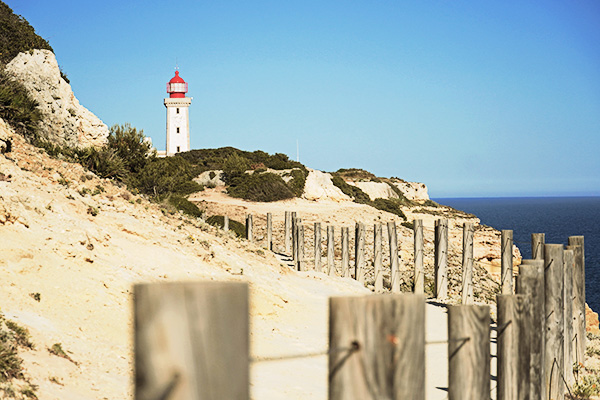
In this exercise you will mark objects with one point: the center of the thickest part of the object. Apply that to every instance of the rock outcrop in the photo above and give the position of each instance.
(65, 122)
(319, 186)
(412, 190)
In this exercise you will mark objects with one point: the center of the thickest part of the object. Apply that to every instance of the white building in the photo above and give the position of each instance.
(178, 117)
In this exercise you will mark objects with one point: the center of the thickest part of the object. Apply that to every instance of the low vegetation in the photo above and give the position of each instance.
(13, 382)
(237, 227)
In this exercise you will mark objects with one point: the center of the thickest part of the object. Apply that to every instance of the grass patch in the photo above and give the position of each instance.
(185, 206)
(21, 334)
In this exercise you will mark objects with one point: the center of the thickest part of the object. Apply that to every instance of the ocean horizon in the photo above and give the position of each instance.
(558, 217)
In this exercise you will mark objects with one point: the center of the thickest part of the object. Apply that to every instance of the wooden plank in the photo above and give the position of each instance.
(317, 246)
(191, 341)
(345, 252)
(554, 301)
(467, 263)
(538, 240)
(468, 352)
(506, 267)
(249, 234)
(269, 244)
(576, 243)
(330, 250)
(387, 333)
(419, 278)
(294, 238)
(226, 223)
(441, 259)
(359, 252)
(569, 262)
(287, 231)
(394, 262)
(301, 263)
(514, 351)
(530, 282)
(377, 257)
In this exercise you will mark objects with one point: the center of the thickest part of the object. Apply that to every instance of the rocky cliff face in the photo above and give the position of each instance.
(65, 122)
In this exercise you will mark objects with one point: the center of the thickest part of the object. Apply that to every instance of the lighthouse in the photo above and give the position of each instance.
(178, 117)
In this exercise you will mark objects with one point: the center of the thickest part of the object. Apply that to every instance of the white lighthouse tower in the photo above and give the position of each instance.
(178, 117)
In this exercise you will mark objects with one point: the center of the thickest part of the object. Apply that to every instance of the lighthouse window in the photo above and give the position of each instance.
(178, 149)
(177, 130)
(177, 110)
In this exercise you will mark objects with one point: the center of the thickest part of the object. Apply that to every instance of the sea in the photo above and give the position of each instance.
(557, 217)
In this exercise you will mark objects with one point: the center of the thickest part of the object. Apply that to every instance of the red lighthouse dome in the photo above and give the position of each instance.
(177, 87)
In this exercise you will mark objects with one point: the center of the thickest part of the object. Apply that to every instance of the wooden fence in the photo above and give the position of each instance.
(191, 339)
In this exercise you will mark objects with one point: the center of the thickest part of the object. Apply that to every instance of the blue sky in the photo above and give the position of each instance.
(473, 98)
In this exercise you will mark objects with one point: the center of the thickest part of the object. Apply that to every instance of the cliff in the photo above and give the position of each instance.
(64, 122)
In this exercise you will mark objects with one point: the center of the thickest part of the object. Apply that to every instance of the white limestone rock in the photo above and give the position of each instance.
(319, 186)
(210, 178)
(375, 190)
(64, 121)
(412, 190)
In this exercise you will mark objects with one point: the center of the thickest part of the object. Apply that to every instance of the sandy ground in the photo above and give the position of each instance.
(82, 250)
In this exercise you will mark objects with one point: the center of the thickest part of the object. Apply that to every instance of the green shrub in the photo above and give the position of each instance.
(389, 205)
(430, 203)
(408, 225)
(234, 168)
(11, 365)
(260, 187)
(296, 184)
(162, 176)
(21, 334)
(353, 191)
(237, 227)
(104, 162)
(130, 145)
(16, 35)
(184, 205)
(17, 108)
(356, 173)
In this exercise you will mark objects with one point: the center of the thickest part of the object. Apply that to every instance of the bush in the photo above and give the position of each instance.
(389, 205)
(354, 192)
(237, 227)
(296, 184)
(356, 173)
(162, 176)
(130, 145)
(184, 205)
(104, 162)
(16, 35)
(17, 108)
(234, 168)
(260, 187)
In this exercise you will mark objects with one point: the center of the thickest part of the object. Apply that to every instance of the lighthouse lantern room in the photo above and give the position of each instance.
(178, 121)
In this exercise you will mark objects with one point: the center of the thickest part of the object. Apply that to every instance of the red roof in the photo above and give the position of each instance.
(176, 78)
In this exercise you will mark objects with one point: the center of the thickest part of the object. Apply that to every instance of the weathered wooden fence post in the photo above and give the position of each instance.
(530, 282)
(377, 257)
(554, 361)
(538, 240)
(441, 258)
(569, 260)
(468, 352)
(249, 235)
(287, 231)
(294, 237)
(330, 250)
(345, 252)
(576, 244)
(317, 245)
(301, 263)
(419, 279)
(359, 252)
(191, 341)
(506, 266)
(514, 351)
(394, 263)
(377, 347)
(269, 231)
(467, 263)
(226, 223)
